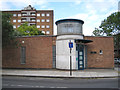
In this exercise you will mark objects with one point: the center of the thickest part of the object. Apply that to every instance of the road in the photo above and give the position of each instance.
(37, 82)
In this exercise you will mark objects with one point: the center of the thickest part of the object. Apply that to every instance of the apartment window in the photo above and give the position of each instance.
(43, 26)
(38, 20)
(14, 20)
(43, 20)
(48, 32)
(19, 20)
(47, 20)
(14, 15)
(47, 14)
(38, 14)
(33, 20)
(23, 55)
(43, 14)
(33, 14)
(14, 26)
(18, 26)
(38, 26)
(19, 15)
(47, 26)
(43, 32)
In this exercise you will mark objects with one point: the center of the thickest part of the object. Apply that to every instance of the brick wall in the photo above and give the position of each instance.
(105, 60)
(38, 53)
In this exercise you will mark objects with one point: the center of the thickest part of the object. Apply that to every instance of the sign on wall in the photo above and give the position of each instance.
(70, 44)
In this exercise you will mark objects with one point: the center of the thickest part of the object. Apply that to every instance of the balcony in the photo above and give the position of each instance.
(24, 20)
(24, 14)
(32, 14)
(27, 15)
(32, 20)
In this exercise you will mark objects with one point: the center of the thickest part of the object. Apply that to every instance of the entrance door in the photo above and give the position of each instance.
(80, 49)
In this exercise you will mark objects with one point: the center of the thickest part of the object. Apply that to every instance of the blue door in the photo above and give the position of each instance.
(80, 49)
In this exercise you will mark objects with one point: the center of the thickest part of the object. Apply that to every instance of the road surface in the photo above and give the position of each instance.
(37, 82)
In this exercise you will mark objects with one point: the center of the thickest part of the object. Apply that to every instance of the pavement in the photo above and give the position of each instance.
(86, 73)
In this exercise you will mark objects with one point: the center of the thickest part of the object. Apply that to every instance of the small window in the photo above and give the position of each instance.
(19, 15)
(48, 32)
(43, 14)
(38, 26)
(18, 26)
(14, 20)
(38, 14)
(23, 55)
(14, 26)
(43, 32)
(19, 20)
(47, 20)
(43, 26)
(38, 20)
(14, 15)
(47, 26)
(43, 20)
(101, 52)
(47, 14)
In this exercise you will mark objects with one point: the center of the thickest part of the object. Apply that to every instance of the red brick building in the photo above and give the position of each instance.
(42, 19)
(39, 53)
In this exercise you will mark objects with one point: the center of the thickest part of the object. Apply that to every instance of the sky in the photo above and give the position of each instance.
(92, 12)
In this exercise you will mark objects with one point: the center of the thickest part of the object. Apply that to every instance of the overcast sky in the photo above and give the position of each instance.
(92, 12)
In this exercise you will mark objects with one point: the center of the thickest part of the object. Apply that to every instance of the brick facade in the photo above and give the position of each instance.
(38, 53)
(26, 16)
(97, 60)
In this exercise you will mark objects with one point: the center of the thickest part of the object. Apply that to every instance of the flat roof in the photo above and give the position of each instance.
(23, 10)
(37, 36)
(99, 36)
(69, 20)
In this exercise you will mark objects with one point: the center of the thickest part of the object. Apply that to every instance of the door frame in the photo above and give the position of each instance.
(80, 49)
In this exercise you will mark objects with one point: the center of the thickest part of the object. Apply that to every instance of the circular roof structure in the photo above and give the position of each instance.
(69, 20)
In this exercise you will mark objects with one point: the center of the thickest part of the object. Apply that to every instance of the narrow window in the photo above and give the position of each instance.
(23, 55)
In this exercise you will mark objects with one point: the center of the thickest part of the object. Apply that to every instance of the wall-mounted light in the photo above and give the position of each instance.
(101, 52)
(22, 41)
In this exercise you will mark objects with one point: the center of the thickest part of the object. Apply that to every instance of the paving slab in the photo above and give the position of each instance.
(87, 73)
